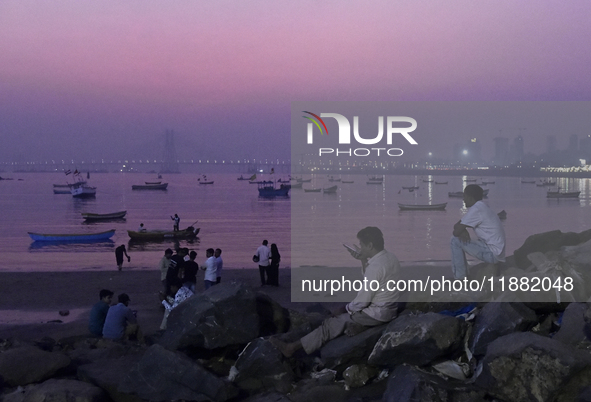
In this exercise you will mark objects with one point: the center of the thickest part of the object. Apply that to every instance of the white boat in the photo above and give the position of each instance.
(79, 190)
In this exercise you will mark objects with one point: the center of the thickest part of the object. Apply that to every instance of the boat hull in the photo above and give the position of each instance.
(425, 207)
(188, 233)
(102, 217)
(556, 194)
(82, 191)
(72, 237)
(162, 186)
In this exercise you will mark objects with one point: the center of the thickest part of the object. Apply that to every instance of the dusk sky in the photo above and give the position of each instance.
(105, 79)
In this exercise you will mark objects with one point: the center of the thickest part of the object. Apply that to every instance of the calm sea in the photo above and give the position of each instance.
(232, 217)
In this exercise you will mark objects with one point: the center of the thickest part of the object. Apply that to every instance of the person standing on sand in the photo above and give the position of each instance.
(210, 269)
(119, 252)
(99, 311)
(219, 264)
(188, 275)
(490, 244)
(177, 222)
(369, 308)
(274, 266)
(163, 266)
(177, 263)
(121, 322)
(264, 254)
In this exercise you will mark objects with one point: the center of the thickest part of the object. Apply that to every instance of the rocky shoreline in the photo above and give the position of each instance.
(216, 348)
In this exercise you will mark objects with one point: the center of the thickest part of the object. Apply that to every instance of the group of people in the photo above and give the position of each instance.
(268, 260)
(181, 268)
(116, 321)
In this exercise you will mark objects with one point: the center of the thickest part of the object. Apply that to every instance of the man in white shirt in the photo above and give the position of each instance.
(369, 308)
(210, 269)
(490, 243)
(264, 253)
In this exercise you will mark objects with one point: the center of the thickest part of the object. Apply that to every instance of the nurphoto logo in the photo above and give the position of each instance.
(391, 128)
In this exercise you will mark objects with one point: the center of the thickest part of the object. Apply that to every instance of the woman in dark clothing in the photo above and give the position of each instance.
(273, 274)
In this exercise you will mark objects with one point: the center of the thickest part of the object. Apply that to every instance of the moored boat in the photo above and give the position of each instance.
(312, 190)
(79, 190)
(380, 182)
(348, 181)
(441, 182)
(152, 182)
(206, 182)
(422, 207)
(188, 233)
(102, 217)
(330, 190)
(72, 237)
(162, 186)
(268, 190)
(460, 194)
(567, 194)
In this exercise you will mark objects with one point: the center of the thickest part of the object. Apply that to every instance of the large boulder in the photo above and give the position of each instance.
(418, 340)
(528, 367)
(273, 318)
(499, 319)
(59, 390)
(108, 375)
(262, 366)
(27, 364)
(223, 315)
(164, 375)
(408, 384)
(572, 328)
(547, 241)
(344, 351)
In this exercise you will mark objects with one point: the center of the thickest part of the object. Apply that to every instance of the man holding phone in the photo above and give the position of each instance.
(369, 308)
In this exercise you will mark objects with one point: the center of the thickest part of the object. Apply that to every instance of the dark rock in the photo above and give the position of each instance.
(571, 330)
(317, 308)
(547, 241)
(64, 313)
(358, 375)
(163, 375)
(418, 340)
(547, 308)
(261, 366)
(273, 318)
(46, 343)
(408, 384)
(108, 375)
(320, 393)
(499, 319)
(525, 367)
(59, 390)
(344, 351)
(272, 396)
(28, 364)
(223, 315)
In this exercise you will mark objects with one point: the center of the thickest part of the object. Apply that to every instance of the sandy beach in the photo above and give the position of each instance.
(31, 301)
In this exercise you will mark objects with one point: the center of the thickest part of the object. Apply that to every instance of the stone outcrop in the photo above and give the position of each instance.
(344, 351)
(223, 315)
(547, 241)
(418, 340)
(58, 390)
(28, 364)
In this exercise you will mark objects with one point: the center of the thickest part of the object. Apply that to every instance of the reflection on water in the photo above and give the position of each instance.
(162, 244)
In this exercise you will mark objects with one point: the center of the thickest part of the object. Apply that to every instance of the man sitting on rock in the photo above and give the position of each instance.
(99, 311)
(490, 245)
(369, 309)
(121, 322)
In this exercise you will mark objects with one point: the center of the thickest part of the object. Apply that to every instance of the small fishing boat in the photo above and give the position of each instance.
(61, 191)
(297, 185)
(162, 186)
(206, 182)
(460, 194)
(304, 181)
(242, 178)
(312, 190)
(330, 190)
(546, 183)
(68, 185)
(79, 237)
(422, 207)
(333, 179)
(440, 182)
(470, 180)
(528, 181)
(380, 182)
(188, 233)
(410, 187)
(428, 181)
(347, 181)
(268, 190)
(79, 190)
(484, 183)
(152, 182)
(559, 194)
(103, 217)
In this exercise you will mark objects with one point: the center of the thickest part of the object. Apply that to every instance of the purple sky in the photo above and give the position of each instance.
(102, 79)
